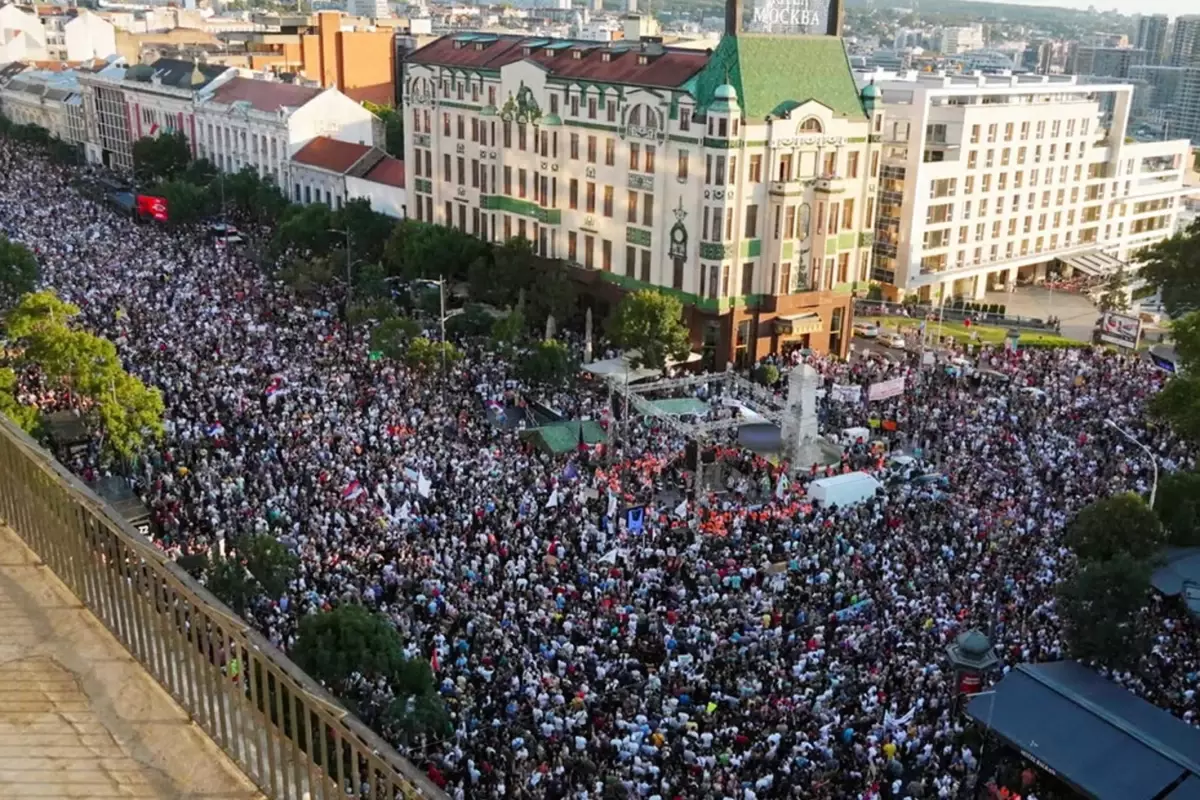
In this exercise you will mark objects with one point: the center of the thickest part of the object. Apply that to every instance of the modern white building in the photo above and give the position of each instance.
(989, 178)
(244, 122)
(22, 37)
(369, 9)
(952, 41)
(107, 139)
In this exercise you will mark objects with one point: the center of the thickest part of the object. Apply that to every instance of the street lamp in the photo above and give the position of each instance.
(349, 277)
(442, 317)
(1145, 449)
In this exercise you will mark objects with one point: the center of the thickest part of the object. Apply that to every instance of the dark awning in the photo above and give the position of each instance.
(1092, 733)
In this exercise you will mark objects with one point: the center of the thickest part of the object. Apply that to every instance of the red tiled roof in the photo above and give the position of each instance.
(381, 94)
(670, 67)
(264, 95)
(331, 154)
(389, 172)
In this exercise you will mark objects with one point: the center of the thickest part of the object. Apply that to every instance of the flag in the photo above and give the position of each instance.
(154, 129)
(681, 509)
(497, 408)
(424, 485)
(781, 486)
(215, 430)
(352, 491)
(434, 664)
(582, 444)
(612, 505)
(553, 501)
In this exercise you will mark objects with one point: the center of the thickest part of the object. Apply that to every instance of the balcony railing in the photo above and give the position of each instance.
(283, 730)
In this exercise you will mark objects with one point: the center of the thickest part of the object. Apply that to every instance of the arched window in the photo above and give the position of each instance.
(811, 125)
(643, 116)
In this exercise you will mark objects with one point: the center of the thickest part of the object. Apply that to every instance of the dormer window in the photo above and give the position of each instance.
(549, 53)
(606, 57)
(479, 45)
(643, 60)
(577, 55)
(527, 51)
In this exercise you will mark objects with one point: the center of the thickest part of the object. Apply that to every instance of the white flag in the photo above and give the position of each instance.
(781, 486)
(424, 485)
(553, 501)
(612, 505)
(681, 509)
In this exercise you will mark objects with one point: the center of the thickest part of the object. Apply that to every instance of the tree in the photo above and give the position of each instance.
(187, 203)
(551, 293)
(1172, 267)
(26, 417)
(1100, 607)
(549, 364)
(334, 646)
(271, 564)
(393, 128)
(200, 172)
(422, 250)
(499, 279)
(1179, 401)
(1178, 507)
(369, 230)
(252, 197)
(227, 578)
(1116, 295)
(389, 337)
(306, 230)
(424, 355)
(18, 271)
(161, 158)
(309, 277)
(1119, 525)
(767, 374)
(651, 323)
(506, 330)
(128, 411)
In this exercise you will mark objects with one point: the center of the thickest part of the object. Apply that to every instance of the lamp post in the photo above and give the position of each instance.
(349, 277)
(442, 317)
(1145, 449)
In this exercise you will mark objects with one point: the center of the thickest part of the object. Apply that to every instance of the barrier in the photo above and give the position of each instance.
(289, 736)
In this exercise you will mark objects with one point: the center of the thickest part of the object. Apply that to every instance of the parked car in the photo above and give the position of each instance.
(893, 340)
(867, 330)
(225, 232)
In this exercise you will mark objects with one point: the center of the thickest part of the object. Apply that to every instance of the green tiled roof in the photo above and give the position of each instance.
(774, 74)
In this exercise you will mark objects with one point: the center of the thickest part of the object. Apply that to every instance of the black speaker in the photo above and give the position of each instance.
(692, 455)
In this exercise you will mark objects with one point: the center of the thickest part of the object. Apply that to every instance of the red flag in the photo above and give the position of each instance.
(433, 661)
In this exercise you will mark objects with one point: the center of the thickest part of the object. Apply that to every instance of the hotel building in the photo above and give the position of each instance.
(740, 179)
(989, 178)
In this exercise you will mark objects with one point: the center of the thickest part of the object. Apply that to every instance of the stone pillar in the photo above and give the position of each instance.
(800, 432)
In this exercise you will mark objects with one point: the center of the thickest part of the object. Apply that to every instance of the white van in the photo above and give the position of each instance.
(848, 489)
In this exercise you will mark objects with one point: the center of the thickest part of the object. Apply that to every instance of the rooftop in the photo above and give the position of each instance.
(261, 95)
(332, 155)
(389, 171)
(666, 66)
(176, 72)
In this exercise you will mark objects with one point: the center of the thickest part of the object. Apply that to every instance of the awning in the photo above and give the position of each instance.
(1095, 735)
(1093, 262)
(797, 324)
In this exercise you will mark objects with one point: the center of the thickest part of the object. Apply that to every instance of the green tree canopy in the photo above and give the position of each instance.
(1172, 266)
(507, 330)
(306, 230)
(498, 278)
(309, 277)
(393, 128)
(1178, 507)
(335, 645)
(18, 271)
(651, 323)
(1100, 607)
(252, 196)
(129, 413)
(161, 158)
(425, 355)
(1119, 525)
(1179, 402)
(391, 336)
(421, 250)
(187, 203)
(550, 364)
(369, 230)
(1115, 297)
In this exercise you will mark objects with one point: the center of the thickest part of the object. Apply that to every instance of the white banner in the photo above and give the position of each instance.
(885, 389)
(845, 394)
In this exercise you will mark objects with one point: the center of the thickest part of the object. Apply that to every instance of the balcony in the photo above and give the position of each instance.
(159, 670)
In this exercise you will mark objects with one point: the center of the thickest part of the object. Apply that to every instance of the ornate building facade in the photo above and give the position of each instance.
(740, 179)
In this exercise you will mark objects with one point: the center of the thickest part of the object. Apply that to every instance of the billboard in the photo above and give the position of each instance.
(819, 17)
(153, 207)
(1119, 329)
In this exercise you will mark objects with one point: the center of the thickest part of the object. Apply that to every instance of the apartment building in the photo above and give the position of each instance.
(1152, 35)
(50, 99)
(107, 139)
(334, 172)
(987, 179)
(244, 122)
(1185, 41)
(739, 179)
(54, 34)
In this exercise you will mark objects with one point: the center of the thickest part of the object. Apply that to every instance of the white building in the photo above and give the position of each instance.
(370, 9)
(80, 36)
(107, 117)
(332, 172)
(952, 41)
(50, 100)
(987, 178)
(243, 122)
(22, 37)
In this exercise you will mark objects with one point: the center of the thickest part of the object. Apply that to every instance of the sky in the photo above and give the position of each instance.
(1172, 7)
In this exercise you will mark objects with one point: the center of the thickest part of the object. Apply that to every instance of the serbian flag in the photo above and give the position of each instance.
(352, 491)
(497, 408)
(154, 129)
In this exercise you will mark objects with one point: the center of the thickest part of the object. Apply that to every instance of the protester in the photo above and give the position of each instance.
(744, 645)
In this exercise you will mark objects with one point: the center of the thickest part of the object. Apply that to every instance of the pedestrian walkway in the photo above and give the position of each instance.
(78, 716)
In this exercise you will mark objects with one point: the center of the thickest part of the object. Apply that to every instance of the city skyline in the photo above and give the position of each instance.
(1174, 8)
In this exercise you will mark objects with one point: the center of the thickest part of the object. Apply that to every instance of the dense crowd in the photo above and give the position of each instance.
(746, 645)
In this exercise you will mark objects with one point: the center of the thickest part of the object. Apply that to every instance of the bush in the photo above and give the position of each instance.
(766, 374)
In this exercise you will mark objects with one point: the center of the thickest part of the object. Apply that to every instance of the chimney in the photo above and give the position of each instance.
(733, 17)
